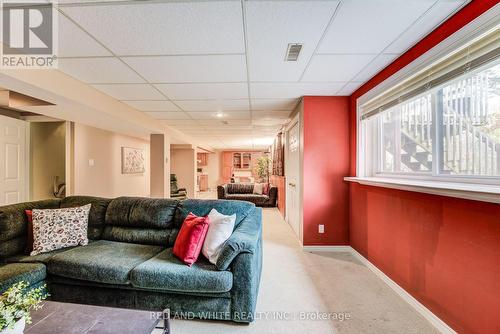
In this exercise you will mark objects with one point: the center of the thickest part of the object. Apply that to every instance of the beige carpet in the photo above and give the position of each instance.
(296, 285)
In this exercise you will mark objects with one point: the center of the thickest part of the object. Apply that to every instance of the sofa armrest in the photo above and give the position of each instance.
(243, 240)
(273, 194)
(221, 192)
(242, 254)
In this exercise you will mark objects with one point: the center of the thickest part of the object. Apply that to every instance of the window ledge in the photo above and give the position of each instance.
(477, 192)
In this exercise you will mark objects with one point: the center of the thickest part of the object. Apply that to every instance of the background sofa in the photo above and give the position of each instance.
(244, 192)
(129, 261)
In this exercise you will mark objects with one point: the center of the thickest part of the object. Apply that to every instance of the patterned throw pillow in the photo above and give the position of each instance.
(59, 228)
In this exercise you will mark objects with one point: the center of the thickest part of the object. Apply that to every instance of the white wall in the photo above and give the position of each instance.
(105, 178)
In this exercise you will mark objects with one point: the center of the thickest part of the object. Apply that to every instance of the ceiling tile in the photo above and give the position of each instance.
(271, 25)
(228, 116)
(336, 67)
(378, 64)
(176, 69)
(180, 122)
(152, 105)
(293, 89)
(204, 91)
(274, 104)
(259, 115)
(228, 127)
(169, 115)
(363, 26)
(349, 88)
(74, 42)
(213, 105)
(130, 91)
(231, 122)
(268, 122)
(147, 28)
(427, 23)
(98, 70)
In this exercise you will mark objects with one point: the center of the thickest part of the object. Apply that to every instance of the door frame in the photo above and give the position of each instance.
(297, 120)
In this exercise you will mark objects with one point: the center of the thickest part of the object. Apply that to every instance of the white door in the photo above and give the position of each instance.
(293, 179)
(13, 162)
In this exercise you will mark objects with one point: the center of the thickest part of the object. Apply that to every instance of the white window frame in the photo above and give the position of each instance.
(470, 187)
(436, 173)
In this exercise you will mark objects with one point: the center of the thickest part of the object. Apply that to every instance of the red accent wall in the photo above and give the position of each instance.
(326, 162)
(443, 251)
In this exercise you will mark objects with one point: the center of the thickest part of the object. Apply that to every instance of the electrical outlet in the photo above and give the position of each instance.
(321, 228)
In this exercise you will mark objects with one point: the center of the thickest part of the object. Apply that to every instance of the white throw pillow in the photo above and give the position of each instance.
(258, 188)
(59, 228)
(219, 230)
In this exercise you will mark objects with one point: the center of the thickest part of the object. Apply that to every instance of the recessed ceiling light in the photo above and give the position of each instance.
(219, 114)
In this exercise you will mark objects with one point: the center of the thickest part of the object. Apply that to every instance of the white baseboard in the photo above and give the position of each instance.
(439, 324)
(327, 249)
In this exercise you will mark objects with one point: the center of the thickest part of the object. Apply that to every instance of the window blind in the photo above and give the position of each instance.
(469, 57)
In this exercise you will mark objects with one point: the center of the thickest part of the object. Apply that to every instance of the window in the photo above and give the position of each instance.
(443, 124)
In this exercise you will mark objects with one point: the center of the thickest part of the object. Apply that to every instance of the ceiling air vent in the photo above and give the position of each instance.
(293, 51)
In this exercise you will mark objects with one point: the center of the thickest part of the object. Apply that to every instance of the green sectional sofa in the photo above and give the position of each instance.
(129, 262)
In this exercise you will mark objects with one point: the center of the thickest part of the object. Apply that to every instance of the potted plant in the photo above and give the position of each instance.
(263, 168)
(15, 306)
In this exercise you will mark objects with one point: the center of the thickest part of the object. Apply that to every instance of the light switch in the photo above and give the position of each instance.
(91, 162)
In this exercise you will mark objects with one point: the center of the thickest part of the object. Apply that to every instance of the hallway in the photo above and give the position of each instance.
(297, 285)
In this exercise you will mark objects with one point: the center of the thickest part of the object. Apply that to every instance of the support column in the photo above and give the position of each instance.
(160, 166)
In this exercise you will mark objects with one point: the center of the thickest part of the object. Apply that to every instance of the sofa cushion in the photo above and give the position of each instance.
(141, 220)
(141, 212)
(167, 273)
(12, 273)
(244, 197)
(40, 258)
(97, 214)
(101, 261)
(202, 207)
(240, 188)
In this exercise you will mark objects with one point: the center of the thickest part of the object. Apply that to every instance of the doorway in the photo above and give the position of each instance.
(48, 160)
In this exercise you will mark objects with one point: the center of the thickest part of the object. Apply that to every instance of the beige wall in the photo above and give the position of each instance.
(212, 169)
(183, 164)
(47, 157)
(105, 177)
(160, 165)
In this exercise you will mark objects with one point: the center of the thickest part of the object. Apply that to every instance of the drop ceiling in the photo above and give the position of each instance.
(186, 63)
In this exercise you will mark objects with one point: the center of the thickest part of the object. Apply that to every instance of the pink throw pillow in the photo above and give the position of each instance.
(190, 240)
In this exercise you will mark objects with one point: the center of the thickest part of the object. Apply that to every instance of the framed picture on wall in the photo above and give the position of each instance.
(132, 160)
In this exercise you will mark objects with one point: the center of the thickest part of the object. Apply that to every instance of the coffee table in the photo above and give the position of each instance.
(68, 318)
